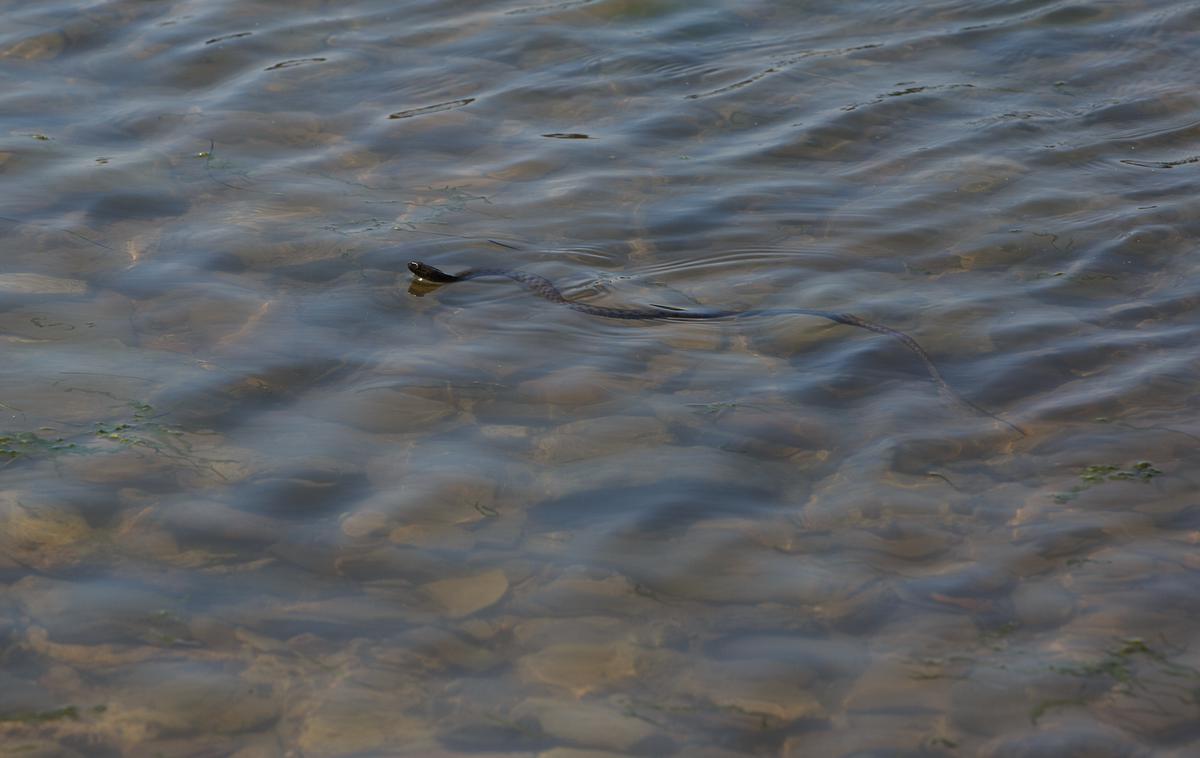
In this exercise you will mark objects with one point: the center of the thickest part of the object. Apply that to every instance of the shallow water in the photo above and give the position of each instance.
(262, 498)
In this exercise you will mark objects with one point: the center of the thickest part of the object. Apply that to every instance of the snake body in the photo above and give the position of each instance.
(544, 288)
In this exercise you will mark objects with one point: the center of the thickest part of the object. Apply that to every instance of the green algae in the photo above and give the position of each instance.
(41, 717)
(1133, 668)
(20, 444)
(1045, 706)
(139, 429)
(1092, 476)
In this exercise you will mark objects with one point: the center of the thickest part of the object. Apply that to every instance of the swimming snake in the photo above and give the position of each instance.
(544, 288)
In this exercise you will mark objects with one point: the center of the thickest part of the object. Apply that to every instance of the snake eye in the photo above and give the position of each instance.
(421, 270)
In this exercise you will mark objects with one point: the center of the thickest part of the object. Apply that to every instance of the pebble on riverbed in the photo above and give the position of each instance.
(466, 595)
(592, 724)
(40, 284)
(40, 533)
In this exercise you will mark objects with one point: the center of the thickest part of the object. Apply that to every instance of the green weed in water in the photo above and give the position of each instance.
(1044, 707)
(1142, 471)
(41, 717)
(18, 444)
(1120, 665)
(139, 429)
(997, 638)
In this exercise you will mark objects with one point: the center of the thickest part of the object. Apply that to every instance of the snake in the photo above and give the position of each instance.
(544, 288)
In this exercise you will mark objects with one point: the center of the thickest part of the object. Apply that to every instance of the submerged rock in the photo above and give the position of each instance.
(580, 669)
(39, 47)
(433, 536)
(346, 720)
(488, 735)
(577, 591)
(1090, 740)
(39, 284)
(167, 699)
(765, 690)
(575, 386)
(91, 610)
(571, 752)
(595, 438)
(384, 409)
(41, 534)
(364, 524)
(437, 649)
(1042, 604)
(591, 725)
(469, 594)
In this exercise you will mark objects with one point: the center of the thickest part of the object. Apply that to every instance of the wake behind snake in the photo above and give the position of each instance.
(543, 287)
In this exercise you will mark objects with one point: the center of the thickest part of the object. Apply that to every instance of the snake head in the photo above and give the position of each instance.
(429, 273)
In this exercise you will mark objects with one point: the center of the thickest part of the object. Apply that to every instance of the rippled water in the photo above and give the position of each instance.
(263, 498)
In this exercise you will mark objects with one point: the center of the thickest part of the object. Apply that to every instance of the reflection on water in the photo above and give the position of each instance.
(259, 498)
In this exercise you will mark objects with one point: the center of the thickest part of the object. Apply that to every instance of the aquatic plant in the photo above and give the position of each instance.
(1142, 471)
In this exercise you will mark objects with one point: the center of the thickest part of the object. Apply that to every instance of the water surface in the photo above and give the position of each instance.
(260, 498)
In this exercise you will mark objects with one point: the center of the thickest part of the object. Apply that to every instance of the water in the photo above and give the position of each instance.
(262, 499)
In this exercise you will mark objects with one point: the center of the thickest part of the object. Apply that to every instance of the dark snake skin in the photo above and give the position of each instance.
(543, 287)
